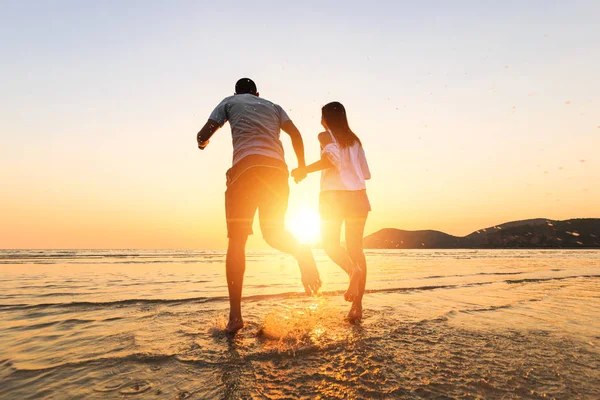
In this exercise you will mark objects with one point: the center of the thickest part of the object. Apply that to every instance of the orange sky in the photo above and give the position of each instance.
(462, 131)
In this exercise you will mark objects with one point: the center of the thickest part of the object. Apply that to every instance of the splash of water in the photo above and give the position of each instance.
(295, 327)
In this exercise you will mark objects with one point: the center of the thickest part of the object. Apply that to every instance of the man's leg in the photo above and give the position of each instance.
(235, 268)
(240, 207)
(284, 241)
(271, 214)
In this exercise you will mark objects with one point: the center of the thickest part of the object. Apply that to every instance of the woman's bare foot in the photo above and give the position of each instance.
(355, 314)
(349, 297)
(234, 325)
(309, 272)
(353, 287)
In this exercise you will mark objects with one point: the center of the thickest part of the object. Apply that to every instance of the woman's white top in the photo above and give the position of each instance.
(350, 168)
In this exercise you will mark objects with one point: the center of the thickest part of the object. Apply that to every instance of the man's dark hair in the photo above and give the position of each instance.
(245, 86)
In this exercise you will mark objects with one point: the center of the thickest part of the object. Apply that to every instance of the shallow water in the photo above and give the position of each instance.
(438, 324)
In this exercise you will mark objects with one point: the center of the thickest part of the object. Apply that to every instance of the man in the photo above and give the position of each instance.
(258, 179)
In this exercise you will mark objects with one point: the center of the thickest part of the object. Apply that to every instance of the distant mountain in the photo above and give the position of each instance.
(530, 233)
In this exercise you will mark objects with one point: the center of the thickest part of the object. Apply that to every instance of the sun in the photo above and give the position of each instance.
(305, 224)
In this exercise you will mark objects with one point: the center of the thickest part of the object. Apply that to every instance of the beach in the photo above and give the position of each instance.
(490, 324)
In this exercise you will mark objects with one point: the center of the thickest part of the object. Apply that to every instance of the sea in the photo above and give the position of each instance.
(438, 324)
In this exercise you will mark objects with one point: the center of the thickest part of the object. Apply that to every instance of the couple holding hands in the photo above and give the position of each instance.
(258, 180)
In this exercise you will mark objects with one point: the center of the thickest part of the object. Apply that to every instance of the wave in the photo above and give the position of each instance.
(305, 348)
(107, 304)
(476, 274)
(558, 278)
(70, 321)
(141, 358)
(107, 256)
(50, 286)
(270, 296)
(89, 262)
(58, 294)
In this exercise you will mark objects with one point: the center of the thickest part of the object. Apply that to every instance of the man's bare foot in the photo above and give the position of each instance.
(353, 287)
(309, 272)
(234, 325)
(355, 314)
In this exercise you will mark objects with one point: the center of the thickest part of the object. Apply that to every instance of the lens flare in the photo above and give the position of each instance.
(305, 224)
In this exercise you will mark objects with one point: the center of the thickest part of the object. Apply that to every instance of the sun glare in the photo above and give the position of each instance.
(305, 224)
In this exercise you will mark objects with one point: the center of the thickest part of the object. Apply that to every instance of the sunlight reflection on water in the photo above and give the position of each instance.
(437, 323)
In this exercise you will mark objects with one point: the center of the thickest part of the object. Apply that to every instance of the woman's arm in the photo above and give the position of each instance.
(300, 173)
(364, 165)
(323, 163)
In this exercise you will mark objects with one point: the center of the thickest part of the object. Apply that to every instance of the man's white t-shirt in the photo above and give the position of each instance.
(255, 125)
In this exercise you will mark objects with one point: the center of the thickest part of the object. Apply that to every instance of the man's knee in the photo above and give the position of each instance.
(237, 241)
(272, 236)
(280, 239)
(331, 247)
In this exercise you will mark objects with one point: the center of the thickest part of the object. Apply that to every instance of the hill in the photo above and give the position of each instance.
(531, 233)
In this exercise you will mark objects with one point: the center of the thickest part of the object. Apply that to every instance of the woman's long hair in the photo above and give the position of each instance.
(334, 115)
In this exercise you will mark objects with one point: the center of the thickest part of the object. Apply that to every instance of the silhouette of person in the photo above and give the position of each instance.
(257, 180)
(343, 199)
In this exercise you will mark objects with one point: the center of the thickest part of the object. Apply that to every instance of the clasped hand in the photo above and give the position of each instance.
(299, 174)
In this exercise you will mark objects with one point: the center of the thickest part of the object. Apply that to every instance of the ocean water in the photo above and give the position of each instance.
(493, 324)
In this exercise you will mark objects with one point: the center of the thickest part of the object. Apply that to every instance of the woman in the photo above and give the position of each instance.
(343, 199)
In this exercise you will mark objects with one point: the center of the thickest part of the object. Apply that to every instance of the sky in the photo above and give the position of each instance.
(472, 113)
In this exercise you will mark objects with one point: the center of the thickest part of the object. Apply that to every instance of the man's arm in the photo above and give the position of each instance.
(289, 128)
(206, 133)
(300, 173)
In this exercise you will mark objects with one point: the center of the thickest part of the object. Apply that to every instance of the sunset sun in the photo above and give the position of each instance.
(305, 225)
(347, 199)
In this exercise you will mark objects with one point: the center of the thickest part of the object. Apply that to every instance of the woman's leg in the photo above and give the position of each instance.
(332, 210)
(355, 227)
(332, 207)
(331, 229)
(330, 234)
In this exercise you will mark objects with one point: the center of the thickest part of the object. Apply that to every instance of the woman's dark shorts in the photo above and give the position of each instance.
(336, 205)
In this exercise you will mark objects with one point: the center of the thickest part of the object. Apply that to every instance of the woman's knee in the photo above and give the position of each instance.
(357, 254)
